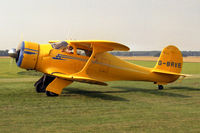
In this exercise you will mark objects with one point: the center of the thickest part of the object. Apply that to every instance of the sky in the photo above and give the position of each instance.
(139, 24)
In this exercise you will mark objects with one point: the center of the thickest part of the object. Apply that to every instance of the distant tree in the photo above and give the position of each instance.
(3, 52)
(157, 54)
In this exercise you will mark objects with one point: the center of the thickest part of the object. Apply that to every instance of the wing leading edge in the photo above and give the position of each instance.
(109, 45)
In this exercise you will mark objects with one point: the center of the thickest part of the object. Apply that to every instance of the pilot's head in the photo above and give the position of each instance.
(69, 47)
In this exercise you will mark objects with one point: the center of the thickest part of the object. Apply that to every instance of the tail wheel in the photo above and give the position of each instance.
(51, 94)
(160, 87)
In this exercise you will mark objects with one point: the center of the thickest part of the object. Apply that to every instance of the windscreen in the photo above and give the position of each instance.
(60, 45)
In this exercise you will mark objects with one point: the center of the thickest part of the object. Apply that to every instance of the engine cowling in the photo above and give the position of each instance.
(27, 55)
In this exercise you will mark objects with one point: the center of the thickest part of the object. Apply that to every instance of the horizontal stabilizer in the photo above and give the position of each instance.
(167, 72)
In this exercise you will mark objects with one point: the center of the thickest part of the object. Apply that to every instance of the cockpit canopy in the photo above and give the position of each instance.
(65, 47)
(59, 45)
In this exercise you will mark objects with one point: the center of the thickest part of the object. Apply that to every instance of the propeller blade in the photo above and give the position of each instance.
(12, 53)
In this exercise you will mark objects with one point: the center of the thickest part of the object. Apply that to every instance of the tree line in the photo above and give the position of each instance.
(3, 52)
(152, 53)
(133, 53)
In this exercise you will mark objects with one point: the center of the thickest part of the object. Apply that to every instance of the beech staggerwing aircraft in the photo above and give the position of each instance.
(88, 61)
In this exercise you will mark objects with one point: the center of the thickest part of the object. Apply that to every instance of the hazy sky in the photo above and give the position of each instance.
(139, 24)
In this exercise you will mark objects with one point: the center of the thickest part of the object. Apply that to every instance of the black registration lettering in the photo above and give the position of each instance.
(176, 64)
(179, 65)
(160, 62)
(172, 64)
(168, 64)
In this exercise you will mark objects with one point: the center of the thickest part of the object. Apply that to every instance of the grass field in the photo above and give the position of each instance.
(118, 108)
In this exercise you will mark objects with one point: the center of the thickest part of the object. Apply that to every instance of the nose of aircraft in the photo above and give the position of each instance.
(25, 55)
(14, 53)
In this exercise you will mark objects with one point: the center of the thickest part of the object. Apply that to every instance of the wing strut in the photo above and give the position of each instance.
(96, 50)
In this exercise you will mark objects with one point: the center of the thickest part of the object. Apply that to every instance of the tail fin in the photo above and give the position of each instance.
(170, 61)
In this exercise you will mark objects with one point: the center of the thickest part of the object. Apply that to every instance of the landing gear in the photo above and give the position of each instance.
(40, 88)
(51, 94)
(160, 87)
(42, 83)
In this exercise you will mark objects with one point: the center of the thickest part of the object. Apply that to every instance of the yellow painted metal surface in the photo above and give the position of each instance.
(57, 85)
(30, 55)
(99, 43)
(170, 60)
(100, 66)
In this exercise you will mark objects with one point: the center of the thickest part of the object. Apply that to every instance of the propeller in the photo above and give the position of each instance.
(14, 52)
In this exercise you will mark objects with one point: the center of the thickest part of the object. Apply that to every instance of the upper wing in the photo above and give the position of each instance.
(110, 46)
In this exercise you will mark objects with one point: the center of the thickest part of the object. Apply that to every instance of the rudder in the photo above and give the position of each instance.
(170, 61)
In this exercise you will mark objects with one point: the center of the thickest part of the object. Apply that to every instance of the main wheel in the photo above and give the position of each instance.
(42, 83)
(40, 88)
(51, 94)
(160, 87)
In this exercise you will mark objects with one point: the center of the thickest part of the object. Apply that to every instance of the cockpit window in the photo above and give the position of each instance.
(69, 49)
(84, 52)
(60, 45)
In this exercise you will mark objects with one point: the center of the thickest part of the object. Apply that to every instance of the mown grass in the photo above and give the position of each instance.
(120, 107)
(9, 69)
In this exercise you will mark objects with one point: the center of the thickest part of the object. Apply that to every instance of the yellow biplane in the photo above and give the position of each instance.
(88, 61)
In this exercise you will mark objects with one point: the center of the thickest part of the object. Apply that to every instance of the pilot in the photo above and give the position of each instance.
(69, 49)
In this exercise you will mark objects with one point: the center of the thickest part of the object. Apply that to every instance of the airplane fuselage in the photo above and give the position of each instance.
(104, 67)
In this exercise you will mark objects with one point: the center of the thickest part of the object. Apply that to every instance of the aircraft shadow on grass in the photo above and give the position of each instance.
(155, 92)
(185, 88)
(94, 94)
(102, 95)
